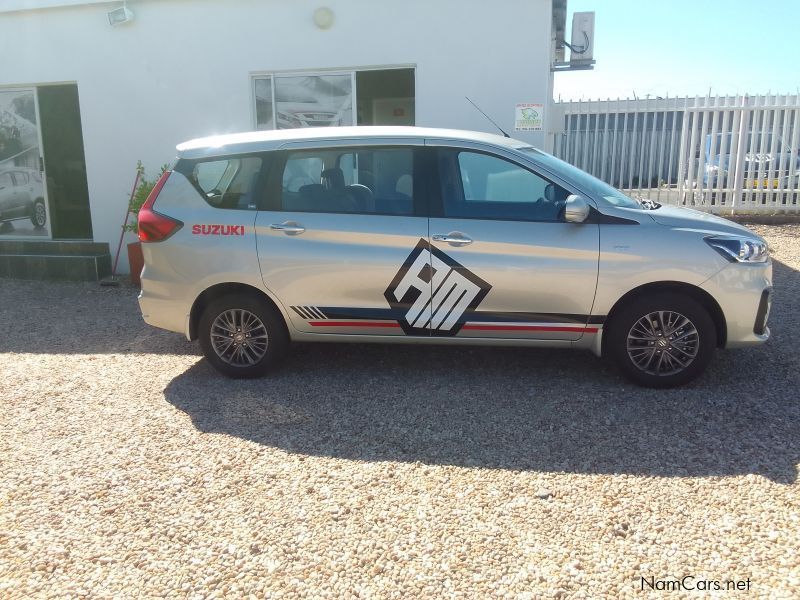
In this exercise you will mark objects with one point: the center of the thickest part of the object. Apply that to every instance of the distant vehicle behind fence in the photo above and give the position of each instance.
(772, 165)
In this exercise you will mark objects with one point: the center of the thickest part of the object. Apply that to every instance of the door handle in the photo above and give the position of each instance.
(454, 238)
(288, 227)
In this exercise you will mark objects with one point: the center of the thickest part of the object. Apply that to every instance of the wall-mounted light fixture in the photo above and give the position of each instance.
(120, 16)
(323, 17)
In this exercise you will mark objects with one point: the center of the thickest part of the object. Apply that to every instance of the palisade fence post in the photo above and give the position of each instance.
(567, 133)
(585, 135)
(604, 151)
(741, 151)
(610, 179)
(683, 152)
(793, 182)
(730, 175)
(698, 147)
(782, 168)
(596, 137)
(774, 151)
(723, 149)
(697, 117)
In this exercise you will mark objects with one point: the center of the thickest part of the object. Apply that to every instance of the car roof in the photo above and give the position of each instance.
(260, 141)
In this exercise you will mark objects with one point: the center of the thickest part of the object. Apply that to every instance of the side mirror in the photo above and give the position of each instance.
(577, 209)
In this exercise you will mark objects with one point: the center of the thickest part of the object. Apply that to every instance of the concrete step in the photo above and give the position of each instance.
(53, 247)
(54, 260)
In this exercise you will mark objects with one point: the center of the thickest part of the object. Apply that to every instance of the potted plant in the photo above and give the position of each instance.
(141, 191)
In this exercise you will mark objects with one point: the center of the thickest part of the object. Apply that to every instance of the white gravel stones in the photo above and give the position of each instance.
(129, 468)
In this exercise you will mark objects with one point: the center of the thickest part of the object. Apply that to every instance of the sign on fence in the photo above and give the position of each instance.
(529, 117)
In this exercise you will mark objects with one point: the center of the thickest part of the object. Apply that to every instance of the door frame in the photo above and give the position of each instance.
(437, 212)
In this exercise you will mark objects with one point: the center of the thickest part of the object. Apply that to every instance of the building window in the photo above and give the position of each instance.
(369, 97)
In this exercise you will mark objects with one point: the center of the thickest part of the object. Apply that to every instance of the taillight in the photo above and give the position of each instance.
(153, 226)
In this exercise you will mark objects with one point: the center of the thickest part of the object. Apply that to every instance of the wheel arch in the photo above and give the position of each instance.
(221, 289)
(699, 295)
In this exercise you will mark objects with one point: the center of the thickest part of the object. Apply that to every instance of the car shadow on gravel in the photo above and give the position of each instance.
(516, 408)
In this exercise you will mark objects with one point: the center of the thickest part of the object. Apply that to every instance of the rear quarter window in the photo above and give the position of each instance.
(226, 183)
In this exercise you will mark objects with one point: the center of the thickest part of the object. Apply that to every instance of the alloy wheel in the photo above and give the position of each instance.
(239, 337)
(663, 343)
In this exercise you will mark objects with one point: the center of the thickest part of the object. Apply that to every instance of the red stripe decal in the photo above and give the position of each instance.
(529, 328)
(353, 324)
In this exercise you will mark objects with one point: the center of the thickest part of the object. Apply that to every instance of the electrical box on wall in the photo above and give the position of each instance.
(582, 41)
(119, 16)
(581, 45)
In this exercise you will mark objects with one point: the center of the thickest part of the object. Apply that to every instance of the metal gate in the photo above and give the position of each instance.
(720, 154)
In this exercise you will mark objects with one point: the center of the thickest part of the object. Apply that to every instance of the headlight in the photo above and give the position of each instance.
(736, 249)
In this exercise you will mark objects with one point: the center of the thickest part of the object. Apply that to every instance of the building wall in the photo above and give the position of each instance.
(182, 68)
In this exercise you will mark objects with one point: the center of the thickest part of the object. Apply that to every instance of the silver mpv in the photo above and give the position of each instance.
(383, 234)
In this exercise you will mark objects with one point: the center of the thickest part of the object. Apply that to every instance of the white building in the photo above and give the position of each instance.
(102, 97)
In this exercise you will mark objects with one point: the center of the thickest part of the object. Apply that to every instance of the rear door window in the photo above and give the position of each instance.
(364, 180)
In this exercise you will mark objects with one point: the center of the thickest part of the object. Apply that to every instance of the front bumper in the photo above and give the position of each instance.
(744, 293)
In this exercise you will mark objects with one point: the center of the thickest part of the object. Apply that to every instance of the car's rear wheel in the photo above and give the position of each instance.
(661, 340)
(39, 214)
(242, 335)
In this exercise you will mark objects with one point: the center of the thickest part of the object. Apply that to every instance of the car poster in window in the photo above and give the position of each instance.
(23, 204)
(313, 101)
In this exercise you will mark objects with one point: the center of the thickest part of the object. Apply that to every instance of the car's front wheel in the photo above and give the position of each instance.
(242, 335)
(661, 340)
(39, 214)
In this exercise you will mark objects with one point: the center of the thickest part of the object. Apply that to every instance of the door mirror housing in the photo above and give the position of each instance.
(577, 209)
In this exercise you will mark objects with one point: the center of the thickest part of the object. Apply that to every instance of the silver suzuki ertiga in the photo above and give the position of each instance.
(404, 234)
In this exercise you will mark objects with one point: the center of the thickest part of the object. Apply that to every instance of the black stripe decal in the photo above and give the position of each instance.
(480, 316)
(316, 312)
(362, 313)
(298, 311)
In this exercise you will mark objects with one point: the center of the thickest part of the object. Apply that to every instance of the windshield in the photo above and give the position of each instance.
(582, 179)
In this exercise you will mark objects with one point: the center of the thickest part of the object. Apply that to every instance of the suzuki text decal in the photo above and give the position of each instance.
(218, 229)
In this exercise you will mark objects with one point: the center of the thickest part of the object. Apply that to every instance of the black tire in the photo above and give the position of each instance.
(39, 214)
(233, 362)
(685, 355)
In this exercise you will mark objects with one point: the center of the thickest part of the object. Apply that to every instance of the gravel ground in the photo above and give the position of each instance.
(130, 468)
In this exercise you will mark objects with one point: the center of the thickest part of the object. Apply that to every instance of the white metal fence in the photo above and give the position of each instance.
(720, 154)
